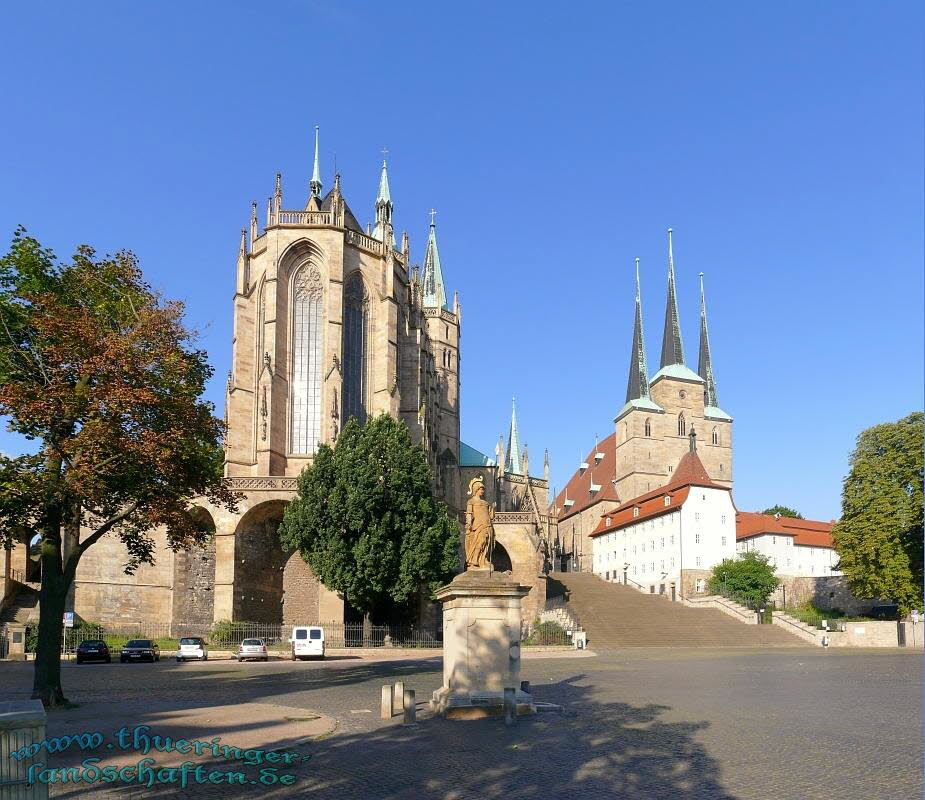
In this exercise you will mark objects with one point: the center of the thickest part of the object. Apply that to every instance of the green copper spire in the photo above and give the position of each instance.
(434, 291)
(637, 386)
(383, 203)
(705, 365)
(315, 183)
(512, 462)
(672, 347)
(384, 195)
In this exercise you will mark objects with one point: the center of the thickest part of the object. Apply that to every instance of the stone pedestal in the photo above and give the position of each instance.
(481, 645)
(16, 638)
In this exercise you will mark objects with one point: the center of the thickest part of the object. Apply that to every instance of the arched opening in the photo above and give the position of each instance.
(682, 425)
(648, 427)
(307, 339)
(193, 597)
(715, 436)
(356, 349)
(259, 565)
(500, 560)
(34, 560)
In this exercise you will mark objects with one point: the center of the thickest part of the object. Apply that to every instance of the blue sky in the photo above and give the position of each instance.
(781, 141)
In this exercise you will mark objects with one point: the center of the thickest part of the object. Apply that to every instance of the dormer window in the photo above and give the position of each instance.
(609, 520)
(598, 457)
(667, 500)
(635, 512)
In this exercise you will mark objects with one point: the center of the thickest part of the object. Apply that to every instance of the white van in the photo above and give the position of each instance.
(307, 642)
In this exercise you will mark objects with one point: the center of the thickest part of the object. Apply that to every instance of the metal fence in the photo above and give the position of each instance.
(228, 635)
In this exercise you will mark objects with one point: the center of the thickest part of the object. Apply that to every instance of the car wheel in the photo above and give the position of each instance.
(205, 658)
(265, 658)
(157, 658)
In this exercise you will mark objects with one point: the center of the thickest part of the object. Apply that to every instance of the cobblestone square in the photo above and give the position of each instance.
(647, 723)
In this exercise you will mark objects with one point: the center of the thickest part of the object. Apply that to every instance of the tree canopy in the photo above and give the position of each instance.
(365, 520)
(749, 579)
(100, 372)
(784, 511)
(879, 535)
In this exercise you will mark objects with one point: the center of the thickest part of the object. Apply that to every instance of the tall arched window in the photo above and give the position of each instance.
(648, 428)
(682, 425)
(307, 316)
(356, 349)
(715, 436)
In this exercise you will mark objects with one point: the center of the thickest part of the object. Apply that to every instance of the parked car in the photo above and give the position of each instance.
(92, 650)
(140, 650)
(307, 641)
(252, 649)
(192, 647)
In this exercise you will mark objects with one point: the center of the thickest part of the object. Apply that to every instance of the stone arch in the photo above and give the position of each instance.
(259, 565)
(193, 595)
(500, 560)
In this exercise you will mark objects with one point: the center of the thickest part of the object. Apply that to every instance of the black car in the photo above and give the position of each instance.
(140, 650)
(92, 650)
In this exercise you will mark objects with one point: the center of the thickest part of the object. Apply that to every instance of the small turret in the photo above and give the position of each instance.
(314, 185)
(253, 223)
(242, 276)
(278, 193)
(383, 204)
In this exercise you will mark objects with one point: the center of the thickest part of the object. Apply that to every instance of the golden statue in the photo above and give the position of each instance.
(480, 533)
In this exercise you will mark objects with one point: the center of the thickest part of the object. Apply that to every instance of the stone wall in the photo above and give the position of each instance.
(825, 593)
(258, 584)
(300, 593)
(193, 585)
(866, 634)
(689, 579)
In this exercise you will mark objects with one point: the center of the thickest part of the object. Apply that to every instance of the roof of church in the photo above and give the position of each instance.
(578, 489)
(350, 221)
(690, 472)
(811, 533)
(470, 457)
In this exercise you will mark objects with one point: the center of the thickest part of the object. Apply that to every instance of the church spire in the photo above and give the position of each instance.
(434, 291)
(314, 184)
(637, 386)
(383, 203)
(512, 461)
(705, 364)
(672, 347)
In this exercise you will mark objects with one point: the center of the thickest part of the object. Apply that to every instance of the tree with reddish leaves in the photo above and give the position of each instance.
(102, 373)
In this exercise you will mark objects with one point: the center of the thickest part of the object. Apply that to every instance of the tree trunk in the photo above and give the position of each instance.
(46, 684)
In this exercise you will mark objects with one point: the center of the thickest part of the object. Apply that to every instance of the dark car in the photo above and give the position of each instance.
(140, 650)
(92, 650)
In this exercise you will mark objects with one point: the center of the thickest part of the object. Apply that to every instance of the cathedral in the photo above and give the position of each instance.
(651, 432)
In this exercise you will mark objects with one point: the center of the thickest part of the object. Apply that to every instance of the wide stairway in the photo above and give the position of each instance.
(23, 607)
(616, 616)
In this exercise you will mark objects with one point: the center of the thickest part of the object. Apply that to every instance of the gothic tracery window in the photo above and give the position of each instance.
(356, 349)
(682, 425)
(307, 316)
(715, 436)
(648, 428)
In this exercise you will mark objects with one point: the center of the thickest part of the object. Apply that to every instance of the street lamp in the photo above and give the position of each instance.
(724, 583)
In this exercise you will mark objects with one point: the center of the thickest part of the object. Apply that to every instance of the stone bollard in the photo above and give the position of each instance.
(410, 708)
(398, 697)
(510, 707)
(385, 709)
(387, 641)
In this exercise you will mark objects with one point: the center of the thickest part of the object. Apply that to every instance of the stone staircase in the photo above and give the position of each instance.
(617, 616)
(23, 606)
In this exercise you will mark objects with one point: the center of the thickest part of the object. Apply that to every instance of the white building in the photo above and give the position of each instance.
(796, 547)
(666, 541)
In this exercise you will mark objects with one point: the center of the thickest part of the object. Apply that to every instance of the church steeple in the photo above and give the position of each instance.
(672, 346)
(434, 291)
(383, 203)
(314, 184)
(637, 386)
(512, 462)
(705, 364)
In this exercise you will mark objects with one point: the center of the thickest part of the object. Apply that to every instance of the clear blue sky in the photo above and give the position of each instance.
(782, 141)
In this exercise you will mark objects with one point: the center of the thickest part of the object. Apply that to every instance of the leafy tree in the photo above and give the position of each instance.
(102, 374)
(784, 511)
(365, 521)
(749, 578)
(879, 537)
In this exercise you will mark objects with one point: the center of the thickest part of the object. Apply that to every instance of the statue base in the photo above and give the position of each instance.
(481, 646)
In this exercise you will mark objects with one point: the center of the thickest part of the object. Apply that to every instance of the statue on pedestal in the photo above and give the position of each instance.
(480, 533)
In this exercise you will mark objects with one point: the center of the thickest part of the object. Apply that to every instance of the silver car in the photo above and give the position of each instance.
(252, 649)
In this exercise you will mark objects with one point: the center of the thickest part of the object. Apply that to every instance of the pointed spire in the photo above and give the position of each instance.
(672, 347)
(705, 364)
(512, 461)
(434, 292)
(384, 195)
(546, 466)
(383, 204)
(637, 386)
(269, 213)
(314, 184)
(278, 193)
(242, 276)
(253, 223)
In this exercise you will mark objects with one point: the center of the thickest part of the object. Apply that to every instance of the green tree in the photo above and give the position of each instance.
(749, 578)
(103, 375)
(879, 536)
(365, 521)
(784, 511)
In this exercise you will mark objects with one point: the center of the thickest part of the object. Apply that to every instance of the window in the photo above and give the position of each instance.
(697, 561)
(608, 522)
(696, 516)
(305, 390)
(672, 538)
(723, 519)
(696, 538)
(670, 469)
(652, 545)
(724, 541)
(662, 542)
(356, 349)
(662, 565)
(715, 436)
(635, 512)
(701, 585)
(652, 568)
(682, 425)
(672, 561)
(643, 546)
(648, 428)
(667, 500)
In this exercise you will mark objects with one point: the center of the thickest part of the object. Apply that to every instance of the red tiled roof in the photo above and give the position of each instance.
(579, 486)
(690, 472)
(808, 532)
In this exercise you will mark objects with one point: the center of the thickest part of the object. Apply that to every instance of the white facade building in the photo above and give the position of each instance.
(795, 547)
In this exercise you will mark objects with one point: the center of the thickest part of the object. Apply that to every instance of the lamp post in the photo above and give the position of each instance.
(724, 583)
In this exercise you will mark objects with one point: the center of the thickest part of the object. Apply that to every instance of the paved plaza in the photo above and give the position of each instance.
(646, 723)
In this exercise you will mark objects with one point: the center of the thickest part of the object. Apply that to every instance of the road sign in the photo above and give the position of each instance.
(68, 619)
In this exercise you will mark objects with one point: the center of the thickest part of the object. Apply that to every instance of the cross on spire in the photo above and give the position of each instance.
(433, 214)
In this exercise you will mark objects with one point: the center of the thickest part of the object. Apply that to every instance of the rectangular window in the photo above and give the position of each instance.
(724, 541)
(696, 538)
(672, 561)
(723, 519)
(696, 516)
(698, 561)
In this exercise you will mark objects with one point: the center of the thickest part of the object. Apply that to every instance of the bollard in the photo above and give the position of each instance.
(398, 697)
(525, 687)
(410, 708)
(510, 708)
(385, 709)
